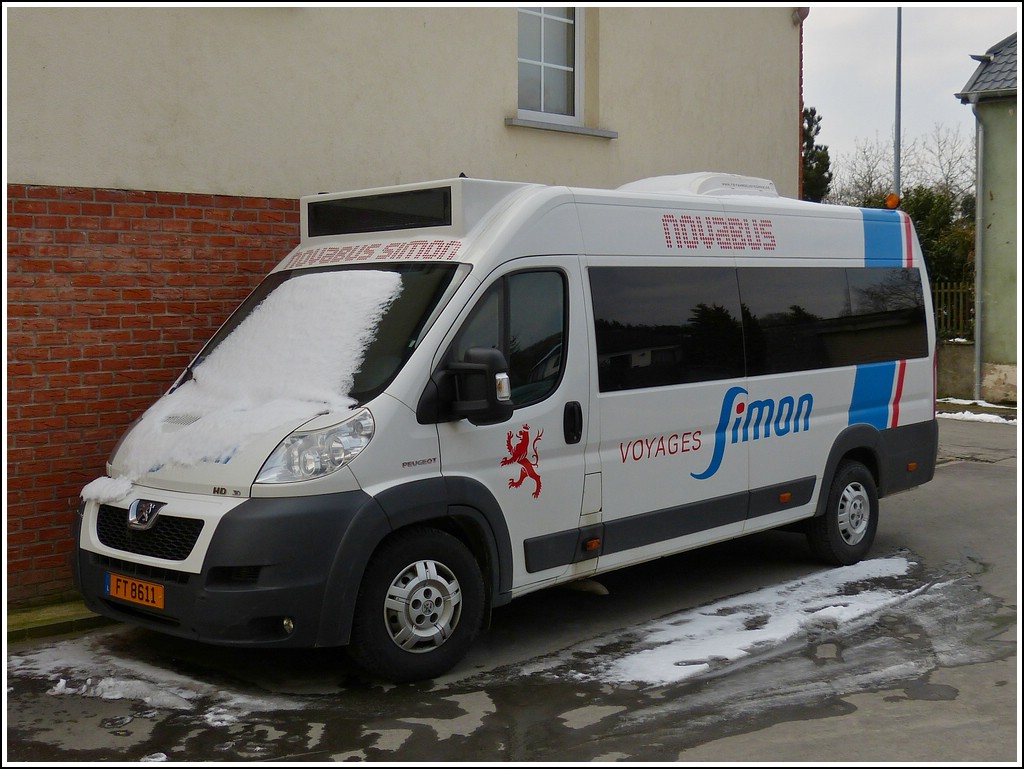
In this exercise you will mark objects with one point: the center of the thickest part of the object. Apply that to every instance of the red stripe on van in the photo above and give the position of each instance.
(901, 369)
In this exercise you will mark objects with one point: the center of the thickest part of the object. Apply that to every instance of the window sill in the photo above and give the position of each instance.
(568, 129)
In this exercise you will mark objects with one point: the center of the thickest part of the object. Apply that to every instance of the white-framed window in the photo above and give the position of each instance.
(551, 65)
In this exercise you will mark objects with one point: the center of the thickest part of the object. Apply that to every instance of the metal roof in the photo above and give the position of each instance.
(996, 75)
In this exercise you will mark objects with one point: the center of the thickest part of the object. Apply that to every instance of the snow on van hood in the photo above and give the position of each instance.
(293, 358)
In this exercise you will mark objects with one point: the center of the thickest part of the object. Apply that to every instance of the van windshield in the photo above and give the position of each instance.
(325, 334)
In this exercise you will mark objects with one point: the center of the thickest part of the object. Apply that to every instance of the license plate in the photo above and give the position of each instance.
(136, 591)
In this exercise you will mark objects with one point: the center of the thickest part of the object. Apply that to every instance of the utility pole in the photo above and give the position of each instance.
(896, 141)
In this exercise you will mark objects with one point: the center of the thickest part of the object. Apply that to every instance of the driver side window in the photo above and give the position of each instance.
(522, 315)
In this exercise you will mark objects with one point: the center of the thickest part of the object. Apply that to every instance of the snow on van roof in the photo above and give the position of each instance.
(704, 183)
(293, 357)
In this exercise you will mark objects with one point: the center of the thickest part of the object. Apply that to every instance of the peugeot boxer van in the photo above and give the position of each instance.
(455, 393)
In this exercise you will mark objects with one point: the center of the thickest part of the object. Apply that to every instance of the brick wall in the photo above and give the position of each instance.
(109, 295)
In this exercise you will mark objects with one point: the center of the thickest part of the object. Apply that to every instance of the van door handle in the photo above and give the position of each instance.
(572, 422)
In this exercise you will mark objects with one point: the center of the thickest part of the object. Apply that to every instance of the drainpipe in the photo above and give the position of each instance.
(798, 16)
(979, 229)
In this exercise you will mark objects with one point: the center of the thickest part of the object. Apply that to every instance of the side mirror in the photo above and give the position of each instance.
(483, 392)
(476, 388)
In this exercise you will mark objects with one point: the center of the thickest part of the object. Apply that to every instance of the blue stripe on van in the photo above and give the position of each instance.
(883, 238)
(872, 392)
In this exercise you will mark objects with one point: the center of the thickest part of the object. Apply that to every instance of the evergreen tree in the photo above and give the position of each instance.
(816, 165)
(947, 237)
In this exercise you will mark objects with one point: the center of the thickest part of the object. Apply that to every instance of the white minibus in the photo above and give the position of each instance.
(454, 393)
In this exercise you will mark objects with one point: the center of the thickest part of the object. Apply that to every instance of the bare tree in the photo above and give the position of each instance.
(943, 160)
(865, 175)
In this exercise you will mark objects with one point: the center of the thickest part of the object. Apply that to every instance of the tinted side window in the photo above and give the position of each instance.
(888, 315)
(658, 326)
(801, 318)
(523, 315)
(787, 315)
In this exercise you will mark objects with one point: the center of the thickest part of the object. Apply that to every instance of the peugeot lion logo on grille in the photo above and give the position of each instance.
(142, 514)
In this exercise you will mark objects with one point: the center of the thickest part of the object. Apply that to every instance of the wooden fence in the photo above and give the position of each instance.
(954, 310)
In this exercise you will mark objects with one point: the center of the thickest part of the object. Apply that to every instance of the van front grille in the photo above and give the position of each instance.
(171, 538)
(140, 570)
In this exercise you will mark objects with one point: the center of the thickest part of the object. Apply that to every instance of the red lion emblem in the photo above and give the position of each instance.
(518, 454)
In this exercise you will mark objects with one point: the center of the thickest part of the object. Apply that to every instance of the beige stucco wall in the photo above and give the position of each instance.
(287, 101)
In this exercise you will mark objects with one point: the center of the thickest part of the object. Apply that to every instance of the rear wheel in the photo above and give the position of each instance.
(845, 533)
(420, 607)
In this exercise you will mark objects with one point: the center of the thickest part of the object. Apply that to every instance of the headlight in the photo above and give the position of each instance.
(305, 456)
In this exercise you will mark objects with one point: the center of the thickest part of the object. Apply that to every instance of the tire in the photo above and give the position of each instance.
(845, 533)
(420, 607)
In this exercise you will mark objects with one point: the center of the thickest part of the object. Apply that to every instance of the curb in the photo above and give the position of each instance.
(52, 620)
(1006, 413)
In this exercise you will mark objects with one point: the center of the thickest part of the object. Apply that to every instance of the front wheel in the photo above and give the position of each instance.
(420, 607)
(845, 533)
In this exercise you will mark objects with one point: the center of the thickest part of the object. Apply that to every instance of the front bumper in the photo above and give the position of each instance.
(266, 561)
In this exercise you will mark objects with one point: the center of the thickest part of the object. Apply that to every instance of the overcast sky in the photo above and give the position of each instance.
(850, 67)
